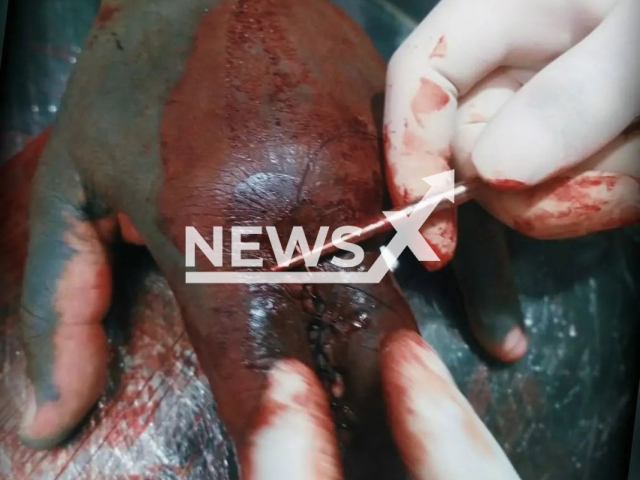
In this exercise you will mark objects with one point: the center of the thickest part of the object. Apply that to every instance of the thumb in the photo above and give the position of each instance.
(66, 293)
(570, 110)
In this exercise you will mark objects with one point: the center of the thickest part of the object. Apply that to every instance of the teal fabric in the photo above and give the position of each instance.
(3, 18)
(42, 41)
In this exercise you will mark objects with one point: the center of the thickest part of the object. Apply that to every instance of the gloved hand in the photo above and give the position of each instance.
(539, 94)
(521, 93)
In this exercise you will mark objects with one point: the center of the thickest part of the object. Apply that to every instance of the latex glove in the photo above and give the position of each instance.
(518, 92)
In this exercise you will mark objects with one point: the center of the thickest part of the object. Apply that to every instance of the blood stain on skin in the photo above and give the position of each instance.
(582, 194)
(398, 396)
(429, 98)
(386, 139)
(269, 411)
(575, 189)
(407, 197)
(414, 375)
(412, 143)
(105, 15)
(525, 225)
(506, 184)
(440, 50)
(573, 206)
(414, 352)
(440, 233)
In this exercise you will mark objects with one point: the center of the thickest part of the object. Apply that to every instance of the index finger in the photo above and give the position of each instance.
(424, 80)
(432, 421)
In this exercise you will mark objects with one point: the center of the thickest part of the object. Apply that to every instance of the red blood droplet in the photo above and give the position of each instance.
(105, 14)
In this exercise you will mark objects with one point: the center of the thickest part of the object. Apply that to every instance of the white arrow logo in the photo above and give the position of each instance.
(407, 235)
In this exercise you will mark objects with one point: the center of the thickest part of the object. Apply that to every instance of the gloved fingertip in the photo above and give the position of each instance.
(518, 151)
(441, 234)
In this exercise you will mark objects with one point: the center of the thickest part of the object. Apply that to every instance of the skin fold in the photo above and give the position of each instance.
(205, 114)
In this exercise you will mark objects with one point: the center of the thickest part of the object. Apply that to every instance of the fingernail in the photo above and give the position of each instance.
(514, 346)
